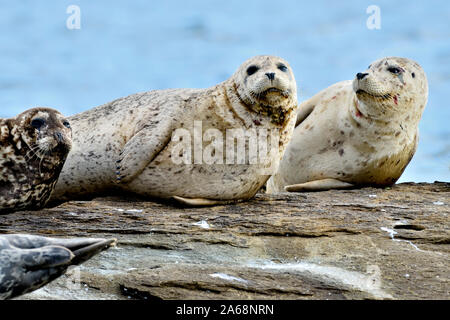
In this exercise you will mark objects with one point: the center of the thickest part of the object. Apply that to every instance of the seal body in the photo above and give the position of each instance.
(356, 133)
(28, 262)
(33, 148)
(174, 143)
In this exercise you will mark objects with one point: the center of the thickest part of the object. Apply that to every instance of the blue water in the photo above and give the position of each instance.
(125, 47)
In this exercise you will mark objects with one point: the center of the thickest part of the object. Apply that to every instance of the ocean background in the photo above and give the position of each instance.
(124, 47)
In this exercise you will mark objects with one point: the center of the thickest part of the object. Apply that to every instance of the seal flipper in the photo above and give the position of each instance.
(305, 109)
(318, 185)
(29, 262)
(85, 253)
(201, 202)
(84, 248)
(46, 257)
(133, 160)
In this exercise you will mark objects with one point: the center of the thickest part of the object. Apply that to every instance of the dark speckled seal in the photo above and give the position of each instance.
(33, 148)
(29, 262)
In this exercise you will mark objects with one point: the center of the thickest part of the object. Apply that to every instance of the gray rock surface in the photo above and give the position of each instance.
(391, 243)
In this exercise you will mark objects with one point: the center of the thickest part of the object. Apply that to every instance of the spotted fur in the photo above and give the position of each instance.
(28, 262)
(31, 157)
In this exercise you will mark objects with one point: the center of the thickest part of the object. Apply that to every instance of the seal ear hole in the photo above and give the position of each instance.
(252, 69)
(37, 123)
(413, 75)
(282, 67)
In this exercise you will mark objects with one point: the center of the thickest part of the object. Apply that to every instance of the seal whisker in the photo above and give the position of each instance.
(33, 149)
(33, 152)
(44, 154)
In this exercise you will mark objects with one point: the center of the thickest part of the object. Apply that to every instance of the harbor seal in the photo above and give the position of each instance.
(33, 148)
(29, 262)
(356, 133)
(133, 143)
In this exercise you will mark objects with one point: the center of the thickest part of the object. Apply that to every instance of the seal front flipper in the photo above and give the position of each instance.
(305, 110)
(307, 107)
(201, 202)
(133, 159)
(318, 185)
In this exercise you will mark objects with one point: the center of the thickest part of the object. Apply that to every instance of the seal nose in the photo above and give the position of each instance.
(59, 136)
(270, 75)
(360, 75)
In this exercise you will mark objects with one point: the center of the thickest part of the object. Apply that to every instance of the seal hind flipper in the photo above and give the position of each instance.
(318, 185)
(200, 202)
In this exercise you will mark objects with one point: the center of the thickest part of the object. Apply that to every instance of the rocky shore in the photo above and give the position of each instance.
(370, 243)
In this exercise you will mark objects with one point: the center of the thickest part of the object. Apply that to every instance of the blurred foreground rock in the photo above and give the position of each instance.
(371, 243)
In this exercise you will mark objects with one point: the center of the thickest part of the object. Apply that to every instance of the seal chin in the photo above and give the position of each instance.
(361, 92)
(63, 147)
(272, 90)
(272, 96)
(54, 148)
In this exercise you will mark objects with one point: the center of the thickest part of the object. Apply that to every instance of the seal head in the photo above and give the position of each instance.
(33, 148)
(267, 85)
(391, 86)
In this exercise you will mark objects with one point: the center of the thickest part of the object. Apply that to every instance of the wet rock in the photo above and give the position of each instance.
(370, 243)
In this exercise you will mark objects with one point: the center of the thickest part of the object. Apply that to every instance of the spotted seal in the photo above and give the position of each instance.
(356, 133)
(33, 148)
(133, 143)
(28, 262)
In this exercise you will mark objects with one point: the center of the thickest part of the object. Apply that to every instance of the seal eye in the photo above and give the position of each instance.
(394, 70)
(282, 67)
(37, 123)
(413, 75)
(66, 124)
(251, 70)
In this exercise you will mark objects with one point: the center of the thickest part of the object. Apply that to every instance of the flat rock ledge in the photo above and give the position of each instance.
(370, 243)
